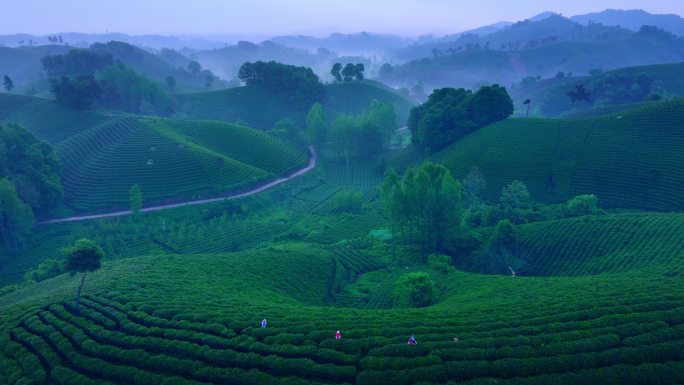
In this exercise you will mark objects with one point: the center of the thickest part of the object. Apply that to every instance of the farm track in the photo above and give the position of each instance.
(312, 164)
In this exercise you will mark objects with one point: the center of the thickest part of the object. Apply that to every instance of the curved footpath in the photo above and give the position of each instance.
(309, 167)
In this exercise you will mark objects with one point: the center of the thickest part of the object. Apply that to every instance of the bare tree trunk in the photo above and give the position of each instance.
(78, 294)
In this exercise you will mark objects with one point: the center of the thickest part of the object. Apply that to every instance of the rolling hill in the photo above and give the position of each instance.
(470, 67)
(104, 154)
(259, 108)
(550, 99)
(630, 161)
(150, 320)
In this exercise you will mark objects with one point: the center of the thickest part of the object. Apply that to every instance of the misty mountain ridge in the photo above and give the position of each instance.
(633, 19)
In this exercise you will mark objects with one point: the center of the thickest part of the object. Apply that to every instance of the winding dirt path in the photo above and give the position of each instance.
(309, 167)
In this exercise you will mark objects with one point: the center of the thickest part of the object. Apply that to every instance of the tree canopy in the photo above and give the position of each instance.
(32, 167)
(16, 217)
(76, 62)
(424, 206)
(299, 85)
(449, 114)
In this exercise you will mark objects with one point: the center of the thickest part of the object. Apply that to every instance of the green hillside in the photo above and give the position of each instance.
(627, 242)
(103, 155)
(202, 326)
(550, 99)
(629, 161)
(471, 68)
(258, 108)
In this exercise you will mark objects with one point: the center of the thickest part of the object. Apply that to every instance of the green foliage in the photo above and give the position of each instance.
(136, 199)
(298, 85)
(46, 270)
(348, 201)
(413, 290)
(515, 196)
(123, 89)
(16, 217)
(316, 125)
(424, 206)
(582, 205)
(79, 93)
(287, 129)
(32, 166)
(76, 62)
(8, 83)
(559, 159)
(335, 72)
(449, 114)
(84, 256)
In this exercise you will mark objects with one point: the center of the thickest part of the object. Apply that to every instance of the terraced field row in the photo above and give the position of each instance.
(238, 142)
(135, 337)
(251, 106)
(609, 244)
(162, 166)
(630, 161)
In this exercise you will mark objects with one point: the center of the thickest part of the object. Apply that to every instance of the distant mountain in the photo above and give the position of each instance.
(633, 19)
(227, 61)
(543, 16)
(528, 34)
(345, 43)
(473, 65)
(84, 40)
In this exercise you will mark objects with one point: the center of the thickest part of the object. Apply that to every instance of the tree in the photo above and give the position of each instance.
(194, 67)
(348, 201)
(287, 129)
(8, 83)
(579, 94)
(425, 206)
(348, 72)
(449, 114)
(16, 217)
(472, 185)
(79, 93)
(170, 83)
(299, 85)
(83, 257)
(32, 166)
(358, 71)
(582, 205)
(136, 199)
(335, 72)
(316, 125)
(515, 196)
(413, 290)
(527, 103)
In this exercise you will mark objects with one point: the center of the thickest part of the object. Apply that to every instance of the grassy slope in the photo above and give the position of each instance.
(633, 161)
(522, 330)
(260, 109)
(104, 155)
(627, 242)
(667, 77)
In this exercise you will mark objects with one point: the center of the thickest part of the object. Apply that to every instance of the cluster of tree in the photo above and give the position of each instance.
(30, 182)
(424, 206)
(76, 62)
(623, 88)
(299, 85)
(32, 166)
(347, 73)
(363, 136)
(413, 290)
(125, 90)
(449, 114)
(430, 210)
(195, 69)
(115, 86)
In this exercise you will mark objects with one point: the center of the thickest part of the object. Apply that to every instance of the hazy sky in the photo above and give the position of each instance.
(264, 17)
